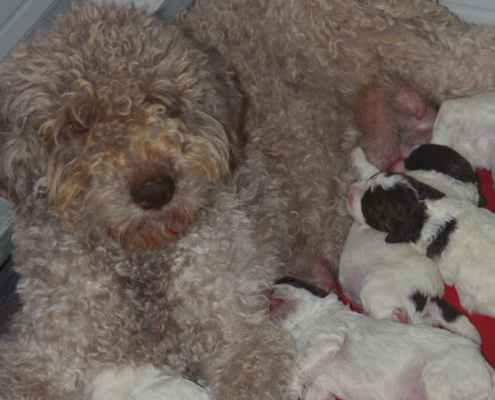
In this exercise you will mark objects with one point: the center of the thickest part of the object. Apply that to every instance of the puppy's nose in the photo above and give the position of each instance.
(154, 195)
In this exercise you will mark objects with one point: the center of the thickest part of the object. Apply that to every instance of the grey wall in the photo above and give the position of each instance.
(21, 19)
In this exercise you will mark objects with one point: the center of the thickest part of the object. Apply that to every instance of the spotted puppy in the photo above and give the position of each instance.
(444, 169)
(397, 282)
(394, 281)
(348, 355)
(456, 234)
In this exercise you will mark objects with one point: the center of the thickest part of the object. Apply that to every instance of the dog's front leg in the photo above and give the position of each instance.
(255, 366)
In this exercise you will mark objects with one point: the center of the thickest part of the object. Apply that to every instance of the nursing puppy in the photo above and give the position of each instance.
(394, 281)
(468, 125)
(444, 169)
(456, 234)
(348, 355)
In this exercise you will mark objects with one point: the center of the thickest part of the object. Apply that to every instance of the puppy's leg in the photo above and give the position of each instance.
(440, 313)
(401, 315)
(363, 166)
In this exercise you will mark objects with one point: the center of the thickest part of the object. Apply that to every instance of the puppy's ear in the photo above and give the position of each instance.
(397, 211)
(407, 227)
(482, 201)
(403, 233)
(425, 192)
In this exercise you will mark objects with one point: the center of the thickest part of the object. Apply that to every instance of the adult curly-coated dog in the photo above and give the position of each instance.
(117, 135)
(162, 175)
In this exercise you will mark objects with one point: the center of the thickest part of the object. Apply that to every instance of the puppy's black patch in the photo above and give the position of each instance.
(435, 249)
(434, 157)
(398, 210)
(449, 313)
(425, 192)
(288, 280)
(420, 300)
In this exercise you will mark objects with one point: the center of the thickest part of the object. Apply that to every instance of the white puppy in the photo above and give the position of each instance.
(348, 355)
(144, 382)
(468, 126)
(456, 234)
(394, 281)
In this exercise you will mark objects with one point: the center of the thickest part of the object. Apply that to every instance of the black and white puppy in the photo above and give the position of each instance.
(456, 234)
(348, 355)
(394, 281)
(444, 169)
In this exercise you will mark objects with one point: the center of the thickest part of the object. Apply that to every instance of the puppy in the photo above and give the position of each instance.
(467, 125)
(144, 382)
(456, 234)
(397, 282)
(348, 355)
(444, 169)
(394, 281)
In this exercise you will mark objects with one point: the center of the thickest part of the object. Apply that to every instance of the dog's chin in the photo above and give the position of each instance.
(149, 237)
(150, 232)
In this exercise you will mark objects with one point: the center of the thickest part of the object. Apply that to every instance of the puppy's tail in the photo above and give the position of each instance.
(438, 312)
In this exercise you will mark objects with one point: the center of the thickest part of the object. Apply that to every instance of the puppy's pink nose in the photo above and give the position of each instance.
(154, 195)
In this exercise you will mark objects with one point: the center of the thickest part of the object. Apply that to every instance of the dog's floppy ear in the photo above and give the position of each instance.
(231, 112)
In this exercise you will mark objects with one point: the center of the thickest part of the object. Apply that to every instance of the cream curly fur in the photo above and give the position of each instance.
(243, 103)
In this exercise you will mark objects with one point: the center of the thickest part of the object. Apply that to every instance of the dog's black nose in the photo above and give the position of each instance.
(154, 195)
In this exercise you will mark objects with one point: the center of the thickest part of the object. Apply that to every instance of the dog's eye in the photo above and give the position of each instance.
(77, 127)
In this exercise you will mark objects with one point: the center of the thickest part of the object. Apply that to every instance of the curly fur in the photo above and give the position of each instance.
(243, 105)
(105, 281)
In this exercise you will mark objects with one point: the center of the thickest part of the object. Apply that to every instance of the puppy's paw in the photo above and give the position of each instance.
(359, 161)
(400, 315)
